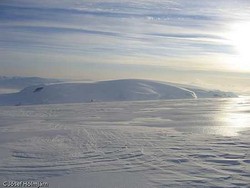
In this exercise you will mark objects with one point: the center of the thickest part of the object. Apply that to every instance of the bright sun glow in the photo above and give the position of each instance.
(239, 36)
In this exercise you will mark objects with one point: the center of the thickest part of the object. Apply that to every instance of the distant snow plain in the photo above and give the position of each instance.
(137, 144)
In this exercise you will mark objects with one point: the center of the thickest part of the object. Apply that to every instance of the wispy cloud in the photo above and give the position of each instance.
(145, 32)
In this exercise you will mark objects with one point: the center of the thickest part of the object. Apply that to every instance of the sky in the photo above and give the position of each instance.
(198, 42)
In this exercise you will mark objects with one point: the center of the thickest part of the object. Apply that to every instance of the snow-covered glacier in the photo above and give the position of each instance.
(113, 90)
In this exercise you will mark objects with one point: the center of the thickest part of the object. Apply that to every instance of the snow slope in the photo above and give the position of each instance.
(114, 90)
(12, 84)
(204, 92)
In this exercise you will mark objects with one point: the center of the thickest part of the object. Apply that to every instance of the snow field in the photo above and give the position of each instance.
(179, 143)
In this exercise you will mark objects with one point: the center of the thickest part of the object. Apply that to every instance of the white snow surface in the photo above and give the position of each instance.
(16, 83)
(113, 90)
(139, 144)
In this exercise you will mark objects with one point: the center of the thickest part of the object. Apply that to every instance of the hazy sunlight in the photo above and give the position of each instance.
(239, 35)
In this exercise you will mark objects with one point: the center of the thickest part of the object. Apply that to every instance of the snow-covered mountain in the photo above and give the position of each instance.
(17, 83)
(206, 93)
(114, 90)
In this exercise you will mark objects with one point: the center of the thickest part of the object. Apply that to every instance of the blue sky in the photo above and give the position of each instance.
(187, 41)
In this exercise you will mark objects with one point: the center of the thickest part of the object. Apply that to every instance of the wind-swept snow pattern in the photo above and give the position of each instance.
(178, 143)
(103, 91)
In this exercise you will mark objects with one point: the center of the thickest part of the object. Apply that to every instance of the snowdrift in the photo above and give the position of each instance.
(114, 90)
